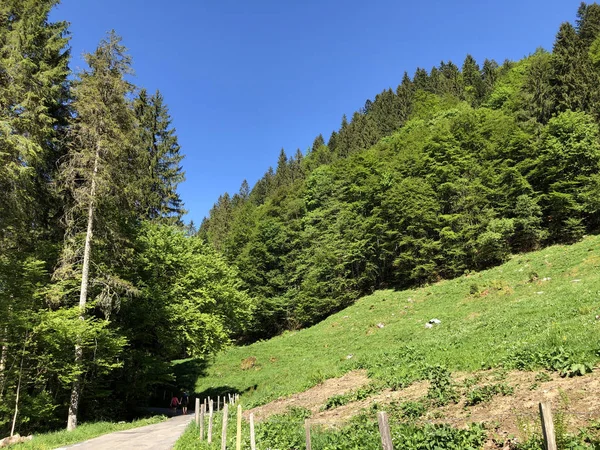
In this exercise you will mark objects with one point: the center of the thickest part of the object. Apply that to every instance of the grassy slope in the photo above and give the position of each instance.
(514, 308)
(82, 433)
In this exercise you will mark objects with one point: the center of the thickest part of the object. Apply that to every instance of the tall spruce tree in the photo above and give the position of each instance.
(489, 75)
(588, 22)
(96, 176)
(33, 90)
(317, 143)
(160, 159)
(573, 74)
(472, 80)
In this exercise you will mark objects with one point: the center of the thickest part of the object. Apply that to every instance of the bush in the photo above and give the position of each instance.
(441, 389)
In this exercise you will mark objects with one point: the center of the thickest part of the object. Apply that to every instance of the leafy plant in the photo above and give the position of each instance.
(480, 394)
(542, 377)
(441, 389)
(557, 359)
(353, 396)
(412, 410)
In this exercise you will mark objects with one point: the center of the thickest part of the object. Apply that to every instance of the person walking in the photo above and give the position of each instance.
(174, 404)
(185, 400)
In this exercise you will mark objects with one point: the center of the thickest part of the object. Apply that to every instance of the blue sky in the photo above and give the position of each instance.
(245, 78)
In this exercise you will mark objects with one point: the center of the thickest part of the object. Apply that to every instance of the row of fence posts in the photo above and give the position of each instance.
(207, 407)
(382, 420)
(386, 435)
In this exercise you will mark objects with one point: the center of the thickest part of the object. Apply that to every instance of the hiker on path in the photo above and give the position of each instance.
(174, 403)
(185, 399)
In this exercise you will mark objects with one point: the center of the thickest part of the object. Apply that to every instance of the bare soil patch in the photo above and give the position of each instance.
(313, 398)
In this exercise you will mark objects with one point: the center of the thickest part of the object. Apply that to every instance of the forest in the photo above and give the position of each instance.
(103, 285)
(97, 269)
(452, 172)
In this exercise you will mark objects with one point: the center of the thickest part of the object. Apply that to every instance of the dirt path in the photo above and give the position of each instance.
(160, 436)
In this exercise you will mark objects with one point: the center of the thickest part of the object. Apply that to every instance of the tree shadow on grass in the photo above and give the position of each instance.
(187, 372)
(218, 392)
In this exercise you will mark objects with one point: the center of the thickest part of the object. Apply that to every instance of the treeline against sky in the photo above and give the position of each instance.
(452, 172)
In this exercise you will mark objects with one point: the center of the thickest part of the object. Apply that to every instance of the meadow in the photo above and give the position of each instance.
(537, 311)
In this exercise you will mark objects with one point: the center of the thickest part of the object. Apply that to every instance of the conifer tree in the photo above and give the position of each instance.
(332, 143)
(385, 113)
(244, 190)
(421, 79)
(451, 79)
(343, 139)
(539, 98)
(405, 93)
(574, 78)
(296, 166)
(33, 97)
(588, 23)
(95, 177)
(317, 143)
(489, 75)
(33, 91)
(473, 83)
(282, 175)
(161, 159)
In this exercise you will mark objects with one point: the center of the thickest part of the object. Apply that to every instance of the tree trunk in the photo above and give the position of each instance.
(14, 422)
(85, 271)
(3, 358)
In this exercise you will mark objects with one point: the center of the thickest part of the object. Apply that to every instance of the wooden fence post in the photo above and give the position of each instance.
(224, 429)
(238, 440)
(197, 411)
(384, 431)
(307, 431)
(547, 426)
(210, 422)
(252, 437)
(202, 411)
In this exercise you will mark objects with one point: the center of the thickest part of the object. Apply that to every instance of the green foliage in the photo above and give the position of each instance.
(160, 159)
(480, 394)
(283, 430)
(353, 396)
(441, 389)
(195, 294)
(558, 359)
(412, 410)
(287, 431)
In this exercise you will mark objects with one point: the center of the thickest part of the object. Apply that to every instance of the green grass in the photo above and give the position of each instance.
(82, 433)
(537, 310)
(288, 432)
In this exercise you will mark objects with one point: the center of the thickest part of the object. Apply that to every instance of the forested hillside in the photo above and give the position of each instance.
(96, 268)
(451, 172)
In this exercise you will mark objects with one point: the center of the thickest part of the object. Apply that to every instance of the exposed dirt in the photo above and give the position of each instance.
(575, 398)
(313, 398)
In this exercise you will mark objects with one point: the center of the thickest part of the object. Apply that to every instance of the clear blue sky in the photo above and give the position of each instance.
(244, 78)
